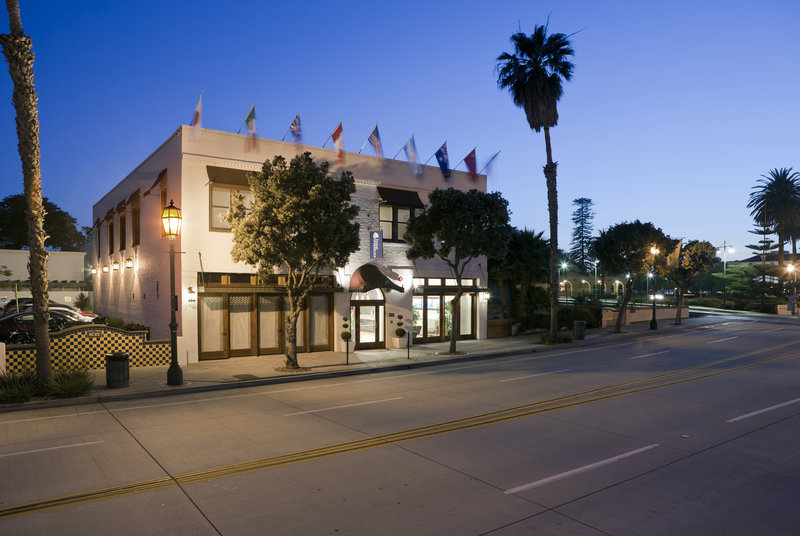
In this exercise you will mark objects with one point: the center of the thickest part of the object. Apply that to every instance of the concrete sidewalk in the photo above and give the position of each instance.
(251, 371)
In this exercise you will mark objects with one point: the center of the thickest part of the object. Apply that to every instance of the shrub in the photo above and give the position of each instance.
(18, 386)
(69, 383)
(591, 315)
(82, 302)
(562, 337)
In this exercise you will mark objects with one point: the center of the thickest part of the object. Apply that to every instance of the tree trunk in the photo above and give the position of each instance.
(295, 304)
(501, 288)
(454, 328)
(626, 297)
(679, 300)
(18, 50)
(552, 208)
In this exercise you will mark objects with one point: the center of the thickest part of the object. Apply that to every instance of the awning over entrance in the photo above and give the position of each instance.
(368, 277)
(401, 198)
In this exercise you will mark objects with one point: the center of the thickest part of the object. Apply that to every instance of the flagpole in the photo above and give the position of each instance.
(290, 125)
(490, 161)
(398, 152)
(201, 96)
(363, 145)
(287, 132)
(326, 141)
(245, 118)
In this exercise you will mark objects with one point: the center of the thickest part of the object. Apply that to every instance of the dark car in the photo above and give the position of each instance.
(27, 303)
(18, 328)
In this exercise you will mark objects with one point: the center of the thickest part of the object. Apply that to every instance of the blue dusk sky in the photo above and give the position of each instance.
(674, 111)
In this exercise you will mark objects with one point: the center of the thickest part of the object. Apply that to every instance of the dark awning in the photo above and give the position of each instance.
(403, 198)
(237, 177)
(368, 277)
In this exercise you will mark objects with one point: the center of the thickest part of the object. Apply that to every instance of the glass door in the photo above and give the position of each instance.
(212, 333)
(269, 325)
(240, 310)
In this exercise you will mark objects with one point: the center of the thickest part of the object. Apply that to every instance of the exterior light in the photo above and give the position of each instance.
(192, 295)
(105, 268)
(115, 265)
(94, 270)
(171, 220)
(654, 250)
(128, 263)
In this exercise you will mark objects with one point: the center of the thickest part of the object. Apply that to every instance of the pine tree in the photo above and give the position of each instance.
(582, 218)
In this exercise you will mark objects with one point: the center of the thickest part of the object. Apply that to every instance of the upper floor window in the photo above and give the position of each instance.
(135, 222)
(220, 203)
(122, 230)
(394, 220)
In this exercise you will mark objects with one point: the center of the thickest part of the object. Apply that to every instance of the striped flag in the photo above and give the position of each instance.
(375, 140)
(444, 162)
(338, 142)
(296, 129)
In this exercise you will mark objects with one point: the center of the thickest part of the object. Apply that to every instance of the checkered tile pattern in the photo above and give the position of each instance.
(87, 346)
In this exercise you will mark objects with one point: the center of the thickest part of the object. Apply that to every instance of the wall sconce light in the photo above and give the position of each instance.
(115, 265)
(94, 270)
(192, 295)
(105, 268)
(128, 263)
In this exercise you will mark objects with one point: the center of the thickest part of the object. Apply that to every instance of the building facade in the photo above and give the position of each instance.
(224, 311)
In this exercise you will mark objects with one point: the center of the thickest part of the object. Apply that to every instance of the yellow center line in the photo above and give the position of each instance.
(435, 429)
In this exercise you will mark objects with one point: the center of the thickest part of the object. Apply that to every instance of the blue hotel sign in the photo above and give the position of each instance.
(375, 244)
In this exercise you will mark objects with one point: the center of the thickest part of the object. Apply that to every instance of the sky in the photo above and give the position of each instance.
(674, 112)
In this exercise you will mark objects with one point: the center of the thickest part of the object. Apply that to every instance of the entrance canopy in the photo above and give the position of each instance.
(368, 277)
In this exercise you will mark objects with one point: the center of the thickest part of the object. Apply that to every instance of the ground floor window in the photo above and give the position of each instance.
(247, 323)
(433, 316)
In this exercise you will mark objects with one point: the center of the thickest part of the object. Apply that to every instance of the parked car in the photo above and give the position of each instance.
(27, 303)
(18, 328)
(73, 316)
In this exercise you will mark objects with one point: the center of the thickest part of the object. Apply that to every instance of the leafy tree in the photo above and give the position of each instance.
(533, 75)
(775, 202)
(60, 227)
(458, 227)
(18, 51)
(582, 232)
(524, 264)
(695, 258)
(626, 248)
(300, 221)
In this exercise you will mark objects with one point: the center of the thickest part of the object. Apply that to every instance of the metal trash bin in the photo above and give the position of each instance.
(117, 370)
(579, 326)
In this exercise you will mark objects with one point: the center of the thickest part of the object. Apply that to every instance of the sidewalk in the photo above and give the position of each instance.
(251, 371)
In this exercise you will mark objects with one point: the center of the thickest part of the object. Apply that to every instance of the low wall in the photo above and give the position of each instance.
(641, 314)
(87, 346)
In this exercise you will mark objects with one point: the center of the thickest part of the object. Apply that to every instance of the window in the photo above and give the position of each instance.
(135, 217)
(164, 204)
(110, 236)
(394, 220)
(220, 203)
(122, 230)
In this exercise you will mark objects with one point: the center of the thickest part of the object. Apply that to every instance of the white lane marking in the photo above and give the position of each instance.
(52, 417)
(771, 330)
(50, 449)
(759, 412)
(533, 375)
(721, 340)
(346, 406)
(579, 470)
(648, 355)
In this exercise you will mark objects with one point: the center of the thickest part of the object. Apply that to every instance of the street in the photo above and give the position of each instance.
(691, 432)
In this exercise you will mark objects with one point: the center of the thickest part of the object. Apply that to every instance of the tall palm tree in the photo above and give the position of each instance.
(775, 202)
(533, 75)
(18, 50)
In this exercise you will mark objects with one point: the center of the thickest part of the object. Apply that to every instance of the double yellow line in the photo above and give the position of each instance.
(587, 397)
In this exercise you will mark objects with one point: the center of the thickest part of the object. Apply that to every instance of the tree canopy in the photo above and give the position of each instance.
(625, 248)
(696, 257)
(300, 222)
(60, 227)
(458, 227)
(775, 202)
(582, 218)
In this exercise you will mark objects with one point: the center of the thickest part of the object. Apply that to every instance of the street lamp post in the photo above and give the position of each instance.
(724, 251)
(653, 321)
(563, 267)
(171, 219)
(792, 270)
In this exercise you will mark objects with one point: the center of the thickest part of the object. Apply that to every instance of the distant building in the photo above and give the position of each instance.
(65, 270)
(223, 310)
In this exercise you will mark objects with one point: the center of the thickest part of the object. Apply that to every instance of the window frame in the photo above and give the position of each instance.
(395, 222)
(218, 226)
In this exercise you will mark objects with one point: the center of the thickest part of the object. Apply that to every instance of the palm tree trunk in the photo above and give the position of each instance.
(680, 306)
(18, 50)
(552, 208)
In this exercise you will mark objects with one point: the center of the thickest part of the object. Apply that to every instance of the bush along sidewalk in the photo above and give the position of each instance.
(19, 387)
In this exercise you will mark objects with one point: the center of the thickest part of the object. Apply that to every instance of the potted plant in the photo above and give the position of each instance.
(346, 335)
(400, 339)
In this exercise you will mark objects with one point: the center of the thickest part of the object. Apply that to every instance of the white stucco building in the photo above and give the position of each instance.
(223, 310)
(66, 274)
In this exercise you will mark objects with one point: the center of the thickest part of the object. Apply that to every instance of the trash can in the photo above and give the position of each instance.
(117, 370)
(580, 329)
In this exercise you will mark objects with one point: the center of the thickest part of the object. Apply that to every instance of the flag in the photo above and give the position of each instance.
(338, 142)
(197, 117)
(410, 149)
(444, 163)
(375, 140)
(469, 160)
(250, 121)
(487, 167)
(296, 129)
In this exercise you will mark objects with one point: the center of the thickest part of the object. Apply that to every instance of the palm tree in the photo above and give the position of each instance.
(533, 75)
(775, 202)
(18, 50)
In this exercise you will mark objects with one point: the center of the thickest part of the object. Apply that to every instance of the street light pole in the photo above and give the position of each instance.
(724, 250)
(654, 322)
(171, 219)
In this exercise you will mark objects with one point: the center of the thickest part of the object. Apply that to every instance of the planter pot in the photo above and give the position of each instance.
(399, 342)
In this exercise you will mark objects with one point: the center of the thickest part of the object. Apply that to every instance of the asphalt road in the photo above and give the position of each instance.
(695, 432)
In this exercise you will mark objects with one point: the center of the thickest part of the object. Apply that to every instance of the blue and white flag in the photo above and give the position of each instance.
(410, 149)
(444, 162)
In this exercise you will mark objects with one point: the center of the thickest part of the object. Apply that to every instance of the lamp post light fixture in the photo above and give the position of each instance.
(171, 220)
(653, 321)
(724, 252)
(792, 270)
(562, 266)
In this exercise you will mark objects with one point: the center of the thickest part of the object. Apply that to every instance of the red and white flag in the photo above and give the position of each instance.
(197, 117)
(338, 142)
(472, 165)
